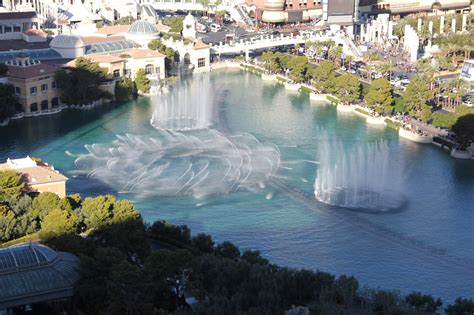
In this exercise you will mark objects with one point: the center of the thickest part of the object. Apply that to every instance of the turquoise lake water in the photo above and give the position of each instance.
(427, 245)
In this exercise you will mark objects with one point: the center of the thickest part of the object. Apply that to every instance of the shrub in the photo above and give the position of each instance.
(362, 111)
(304, 89)
(392, 124)
(332, 99)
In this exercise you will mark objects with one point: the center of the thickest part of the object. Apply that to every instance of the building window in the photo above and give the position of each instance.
(55, 102)
(16, 28)
(53, 84)
(116, 73)
(33, 90)
(201, 62)
(44, 87)
(34, 107)
(187, 59)
(44, 105)
(17, 90)
(157, 70)
(8, 29)
(149, 69)
(127, 72)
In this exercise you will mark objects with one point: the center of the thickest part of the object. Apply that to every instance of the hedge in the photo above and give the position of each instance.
(393, 124)
(362, 111)
(332, 99)
(304, 89)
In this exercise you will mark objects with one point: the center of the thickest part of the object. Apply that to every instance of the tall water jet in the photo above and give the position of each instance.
(188, 106)
(359, 179)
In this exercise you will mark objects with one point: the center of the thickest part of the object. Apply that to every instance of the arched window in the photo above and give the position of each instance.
(19, 107)
(44, 105)
(34, 107)
(149, 69)
(55, 102)
(176, 56)
(187, 59)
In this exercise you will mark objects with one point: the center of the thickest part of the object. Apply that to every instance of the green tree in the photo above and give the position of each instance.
(106, 210)
(126, 291)
(203, 242)
(175, 23)
(11, 185)
(80, 84)
(347, 88)
(379, 96)
(44, 203)
(324, 76)
(423, 303)
(400, 106)
(371, 55)
(123, 89)
(464, 129)
(335, 54)
(163, 49)
(168, 268)
(254, 257)
(126, 20)
(227, 250)
(142, 82)
(443, 120)
(298, 67)
(460, 307)
(270, 61)
(7, 223)
(59, 223)
(417, 94)
(3, 69)
(7, 101)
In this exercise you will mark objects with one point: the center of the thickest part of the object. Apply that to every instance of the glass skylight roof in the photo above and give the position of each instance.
(110, 46)
(35, 54)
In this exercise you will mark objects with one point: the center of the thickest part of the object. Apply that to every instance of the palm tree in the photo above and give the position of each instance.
(371, 55)
(335, 53)
(386, 69)
(368, 70)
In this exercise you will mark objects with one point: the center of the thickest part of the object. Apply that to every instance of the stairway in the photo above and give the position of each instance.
(352, 46)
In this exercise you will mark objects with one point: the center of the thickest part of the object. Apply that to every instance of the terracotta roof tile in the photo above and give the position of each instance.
(34, 32)
(97, 59)
(198, 44)
(114, 29)
(97, 39)
(31, 71)
(39, 174)
(140, 53)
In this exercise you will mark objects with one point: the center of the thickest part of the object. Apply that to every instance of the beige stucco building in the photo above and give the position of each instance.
(35, 87)
(402, 7)
(38, 176)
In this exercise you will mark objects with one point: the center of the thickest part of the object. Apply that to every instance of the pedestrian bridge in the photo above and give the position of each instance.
(268, 41)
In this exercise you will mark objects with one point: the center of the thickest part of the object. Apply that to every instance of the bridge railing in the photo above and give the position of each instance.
(264, 42)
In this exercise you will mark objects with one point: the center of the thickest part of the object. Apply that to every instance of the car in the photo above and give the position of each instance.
(275, 32)
(296, 33)
(405, 81)
(214, 27)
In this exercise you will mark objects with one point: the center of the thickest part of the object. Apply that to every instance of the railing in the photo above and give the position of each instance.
(263, 42)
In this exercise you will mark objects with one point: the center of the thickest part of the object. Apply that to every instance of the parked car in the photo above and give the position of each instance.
(215, 27)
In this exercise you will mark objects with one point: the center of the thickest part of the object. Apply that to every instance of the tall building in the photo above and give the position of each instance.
(285, 11)
(405, 7)
(339, 12)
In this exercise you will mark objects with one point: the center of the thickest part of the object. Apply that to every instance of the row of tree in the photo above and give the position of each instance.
(128, 267)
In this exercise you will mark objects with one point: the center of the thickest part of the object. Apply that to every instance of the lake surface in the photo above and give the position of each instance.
(426, 245)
